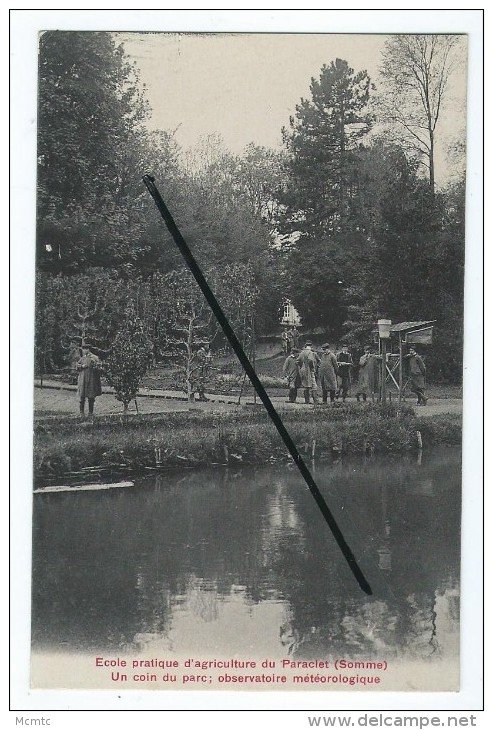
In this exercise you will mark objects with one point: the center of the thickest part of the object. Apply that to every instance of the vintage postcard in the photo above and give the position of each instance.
(248, 359)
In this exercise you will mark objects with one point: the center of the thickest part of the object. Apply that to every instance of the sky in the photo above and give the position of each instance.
(245, 86)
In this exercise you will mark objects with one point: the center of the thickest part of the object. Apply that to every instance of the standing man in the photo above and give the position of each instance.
(364, 375)
(204, 360)
(89, 380)
(292, 374)
(344, 367)
(295, 338)
(417, 372)
(285, 342)
(328, 373)
(308, 362)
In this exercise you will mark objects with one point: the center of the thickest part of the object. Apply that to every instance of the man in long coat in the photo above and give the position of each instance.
(368, 374)
(308, 363)
(344, 368)
(417, 372)
(327, 373)
(202, 371)
(292, 374)
(89, 380)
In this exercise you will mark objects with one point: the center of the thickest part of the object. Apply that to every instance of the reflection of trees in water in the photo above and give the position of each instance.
(371, 630)
(423, 626)
(201, 600)
(407, 520)
(84, 592)
(282, 530)
(110, 569)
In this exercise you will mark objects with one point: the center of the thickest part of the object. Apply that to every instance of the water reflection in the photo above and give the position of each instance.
(240, 562)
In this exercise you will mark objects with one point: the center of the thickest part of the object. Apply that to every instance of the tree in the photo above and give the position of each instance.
(90, 307)
(414, 256)
(89, 115)
(187, 326)
(129, 359)
(260, 176)
(238, 295)
(416, 71)
(45, 325)
(323, 136)
(321, 230)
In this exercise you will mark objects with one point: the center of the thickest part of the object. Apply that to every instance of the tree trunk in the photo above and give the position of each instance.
(190, 391)
(432, 163)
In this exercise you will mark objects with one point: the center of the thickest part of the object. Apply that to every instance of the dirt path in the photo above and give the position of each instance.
(439, 406)
(54, 398)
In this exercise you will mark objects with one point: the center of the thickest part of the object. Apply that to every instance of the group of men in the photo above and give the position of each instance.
(309, 369)
(306, 369)
(290, 339)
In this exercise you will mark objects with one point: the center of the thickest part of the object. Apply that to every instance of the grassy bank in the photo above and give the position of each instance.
(108, 444)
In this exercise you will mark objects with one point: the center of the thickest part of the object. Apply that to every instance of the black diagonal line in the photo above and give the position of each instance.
(235, 344)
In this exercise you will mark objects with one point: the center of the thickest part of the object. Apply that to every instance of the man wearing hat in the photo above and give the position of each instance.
(89, 380)
(308, 362)
(292, 374)
(328, 373)
(344, 367)
(417, 372)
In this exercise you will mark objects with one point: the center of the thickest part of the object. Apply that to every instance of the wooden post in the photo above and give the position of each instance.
(384, 370)
(379, 398)
(254, 354)
(241, 388)
(400, 367)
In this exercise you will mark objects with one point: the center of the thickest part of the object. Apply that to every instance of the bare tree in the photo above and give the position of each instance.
(188, 325)
(416, 71)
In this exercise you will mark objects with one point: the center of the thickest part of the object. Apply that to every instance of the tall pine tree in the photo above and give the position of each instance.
(321, 142)
(319, 217)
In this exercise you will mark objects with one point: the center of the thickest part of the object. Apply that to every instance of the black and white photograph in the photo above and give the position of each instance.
(249, 265)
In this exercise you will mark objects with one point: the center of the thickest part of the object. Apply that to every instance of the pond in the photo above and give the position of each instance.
(238, 562)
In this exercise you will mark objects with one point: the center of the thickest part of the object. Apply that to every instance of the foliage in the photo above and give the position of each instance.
(72, 310)
(260, 176)
(340, 221)
(238, 293)
(129, 358)
(187, 325)
(45, 325)
(321, 143)
(413, 267)
(319, 217)
(90, 109)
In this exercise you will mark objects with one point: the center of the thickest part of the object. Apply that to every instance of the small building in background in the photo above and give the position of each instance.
(290, 317)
